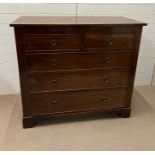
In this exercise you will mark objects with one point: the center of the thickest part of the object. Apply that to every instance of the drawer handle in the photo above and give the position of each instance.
(55, 82)
(104, 99)
(105, 79)
(109, 41)
(55, 103)
(54, 61)
(53, 42)
(107, 60)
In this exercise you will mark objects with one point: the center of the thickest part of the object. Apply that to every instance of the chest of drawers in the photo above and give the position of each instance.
(76, 66)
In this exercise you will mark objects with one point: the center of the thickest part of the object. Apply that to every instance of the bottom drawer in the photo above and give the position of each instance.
(72, 101)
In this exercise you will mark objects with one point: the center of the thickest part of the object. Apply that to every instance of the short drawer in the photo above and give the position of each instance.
(72, 101)
(52, 42)
(70, 61)
(109, 41)
(97, 78)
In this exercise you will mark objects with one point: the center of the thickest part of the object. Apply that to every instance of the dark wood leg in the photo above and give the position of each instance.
(28, 122)
(125, 113)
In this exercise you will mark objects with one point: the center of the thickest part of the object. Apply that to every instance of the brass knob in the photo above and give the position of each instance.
(107, 60)
(105, 79)
(55, 103)
(104, 99)
(53, 42)
(55, 82)
(109, 41)
(54, 62)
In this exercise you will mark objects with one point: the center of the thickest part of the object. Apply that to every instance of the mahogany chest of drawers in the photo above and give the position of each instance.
(76, 66)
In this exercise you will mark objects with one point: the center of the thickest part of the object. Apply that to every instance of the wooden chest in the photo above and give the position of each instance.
(76, 66)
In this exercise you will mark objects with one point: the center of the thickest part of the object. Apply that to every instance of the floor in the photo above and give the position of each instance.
(112, 133)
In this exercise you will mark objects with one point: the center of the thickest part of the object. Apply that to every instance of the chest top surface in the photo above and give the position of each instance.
(44, 20)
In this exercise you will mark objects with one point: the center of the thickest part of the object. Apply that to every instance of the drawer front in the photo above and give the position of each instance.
(69, 61)
(72, 101)
(98, 78)
(52, 42)
(109, 41)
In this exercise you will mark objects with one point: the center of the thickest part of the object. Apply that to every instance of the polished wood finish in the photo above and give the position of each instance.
(108, 41)
(74, 101)
(52, 42)
(30, 20)
(61, 80)
(77, 60)
(76, 66)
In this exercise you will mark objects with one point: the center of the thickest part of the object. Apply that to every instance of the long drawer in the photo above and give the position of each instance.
(80, 60)
(97, 78)
(72, 101)
(52, 41)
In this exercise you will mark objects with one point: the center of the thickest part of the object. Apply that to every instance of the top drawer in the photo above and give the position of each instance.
(52, 41)
(109, 41)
